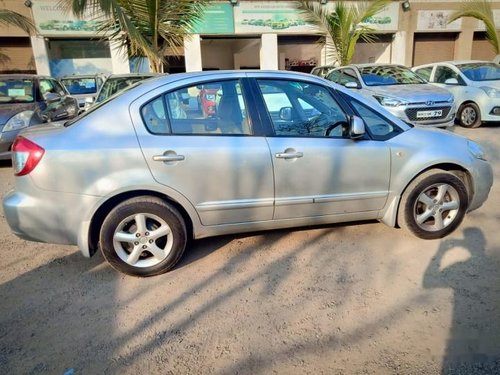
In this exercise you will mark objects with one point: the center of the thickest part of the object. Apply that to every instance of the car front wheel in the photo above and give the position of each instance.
(469, 116)
(143, 236)
(433, 205)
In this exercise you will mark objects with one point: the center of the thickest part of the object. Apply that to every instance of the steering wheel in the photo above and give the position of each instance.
(345, 127)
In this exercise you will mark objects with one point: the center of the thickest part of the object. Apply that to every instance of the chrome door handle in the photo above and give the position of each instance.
(165, 158)
(289, 155)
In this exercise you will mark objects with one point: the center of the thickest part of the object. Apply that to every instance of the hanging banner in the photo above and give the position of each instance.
(53, 20)
(217, 19)
(257, 17)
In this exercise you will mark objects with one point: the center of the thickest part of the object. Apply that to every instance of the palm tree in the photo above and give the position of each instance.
(481, 10)
(148, 28)
(344, 26)
(10, 18)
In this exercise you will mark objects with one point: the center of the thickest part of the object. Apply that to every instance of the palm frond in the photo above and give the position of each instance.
(10, 18)
(480, 10)
(343, 25)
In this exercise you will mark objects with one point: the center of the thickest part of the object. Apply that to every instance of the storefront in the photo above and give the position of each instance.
(275, 35)
(67, 45)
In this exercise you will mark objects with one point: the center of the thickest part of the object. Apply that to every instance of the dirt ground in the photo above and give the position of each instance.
(344, 299)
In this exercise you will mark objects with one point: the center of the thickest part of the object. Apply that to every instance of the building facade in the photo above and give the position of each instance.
(244, 34)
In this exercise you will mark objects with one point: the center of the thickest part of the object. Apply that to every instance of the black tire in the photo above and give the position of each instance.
(433, 205)
(147, 226)
(469, 115)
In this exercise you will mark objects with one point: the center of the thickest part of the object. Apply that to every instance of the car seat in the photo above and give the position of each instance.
(229, 115)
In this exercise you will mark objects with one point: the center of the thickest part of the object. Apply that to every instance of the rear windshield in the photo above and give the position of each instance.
(481, 71)
(78, 86)
(18, 90)
(385, 75)
(116, 84)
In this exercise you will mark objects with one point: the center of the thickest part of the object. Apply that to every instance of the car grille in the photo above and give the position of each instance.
(412, 113)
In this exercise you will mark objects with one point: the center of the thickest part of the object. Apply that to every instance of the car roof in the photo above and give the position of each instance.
(453, 62)
(23, 76)
(83, 76)
(369, 65)
(153, 83)
(129, 75)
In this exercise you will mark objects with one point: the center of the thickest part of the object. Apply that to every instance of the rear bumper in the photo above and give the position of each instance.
(47, 216)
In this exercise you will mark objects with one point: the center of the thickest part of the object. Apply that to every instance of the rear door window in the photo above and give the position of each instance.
(215, 108)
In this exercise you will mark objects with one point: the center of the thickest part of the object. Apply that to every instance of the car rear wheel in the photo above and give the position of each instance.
(433, 205)
(469, 116)
(143, 236)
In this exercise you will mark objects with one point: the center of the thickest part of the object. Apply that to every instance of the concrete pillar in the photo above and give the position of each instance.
(463, 44)
(269, 52)
(40, 54)
(398, 50)
(119, 58)
(192, 53)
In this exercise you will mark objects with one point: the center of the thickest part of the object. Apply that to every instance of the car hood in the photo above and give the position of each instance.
(7, 110)
(419, 93)
(495, 84)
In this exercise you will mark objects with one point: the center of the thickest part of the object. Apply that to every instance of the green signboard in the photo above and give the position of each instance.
(217, 19)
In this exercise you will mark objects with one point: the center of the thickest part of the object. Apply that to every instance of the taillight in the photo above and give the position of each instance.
(25, 156)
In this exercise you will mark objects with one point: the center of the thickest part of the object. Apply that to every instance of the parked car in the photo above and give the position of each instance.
(83, 87)
(323, 70)
(117, 82)
(475, 85)
(143, 176)
(400, 91)
(27, 100)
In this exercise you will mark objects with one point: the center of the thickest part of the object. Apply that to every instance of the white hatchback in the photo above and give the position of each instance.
(475, 85)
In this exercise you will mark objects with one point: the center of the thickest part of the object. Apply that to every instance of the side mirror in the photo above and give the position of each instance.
(52, 97)
(356, 128)
(451, 81)
(351, 85)
(286, 114)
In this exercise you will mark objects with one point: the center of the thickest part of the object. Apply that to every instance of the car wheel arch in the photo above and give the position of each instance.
(390, 216)
(455, 169)
(105, 208)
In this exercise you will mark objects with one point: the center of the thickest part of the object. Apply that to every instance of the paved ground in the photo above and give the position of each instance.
(343, 299)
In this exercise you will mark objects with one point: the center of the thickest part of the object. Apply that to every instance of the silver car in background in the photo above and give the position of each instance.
(140, 175)
(400, 91)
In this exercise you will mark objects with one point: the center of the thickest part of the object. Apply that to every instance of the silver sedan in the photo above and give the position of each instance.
(141, 174)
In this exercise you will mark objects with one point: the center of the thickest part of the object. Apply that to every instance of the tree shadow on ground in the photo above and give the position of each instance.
(473, 346)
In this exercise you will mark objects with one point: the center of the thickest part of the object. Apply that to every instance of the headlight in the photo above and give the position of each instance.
(387, 101)
(476, 150)
(18, 121)
(491, 92)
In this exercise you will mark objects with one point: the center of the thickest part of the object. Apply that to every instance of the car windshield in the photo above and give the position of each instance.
(78, 86)
(480, 71)
(16, 90)
(385, 75)
(116, 84)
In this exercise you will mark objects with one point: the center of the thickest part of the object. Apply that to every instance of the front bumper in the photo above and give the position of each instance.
(482, 175)
(6, 140)
(446, 121)
(490, 110)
